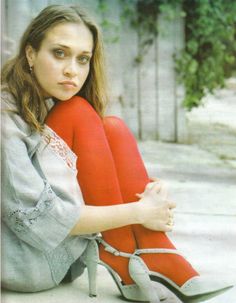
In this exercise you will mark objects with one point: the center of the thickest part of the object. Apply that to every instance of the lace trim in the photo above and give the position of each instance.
(59, 147)
(23, 218)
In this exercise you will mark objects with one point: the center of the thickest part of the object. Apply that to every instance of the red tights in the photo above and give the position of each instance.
(111, 171)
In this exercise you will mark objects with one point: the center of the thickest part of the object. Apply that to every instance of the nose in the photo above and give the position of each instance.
(71, 69)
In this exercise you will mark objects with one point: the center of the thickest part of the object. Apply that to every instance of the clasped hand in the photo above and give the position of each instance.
(157, 210)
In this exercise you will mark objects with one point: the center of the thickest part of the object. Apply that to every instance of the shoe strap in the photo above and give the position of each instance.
(137, 252)
(157, 251)
(113, 250)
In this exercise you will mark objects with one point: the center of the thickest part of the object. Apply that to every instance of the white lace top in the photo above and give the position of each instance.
(59, 147)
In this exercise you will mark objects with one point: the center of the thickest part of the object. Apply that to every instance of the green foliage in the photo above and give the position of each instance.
(210, 40)
(110, 29)
(143, 17)
(209, 54)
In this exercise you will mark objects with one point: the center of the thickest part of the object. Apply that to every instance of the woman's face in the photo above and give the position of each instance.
(62, 63)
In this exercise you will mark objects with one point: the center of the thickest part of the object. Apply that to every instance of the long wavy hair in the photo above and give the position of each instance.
(17, 79)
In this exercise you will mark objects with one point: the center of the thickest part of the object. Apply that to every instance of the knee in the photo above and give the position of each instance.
(74, 109)
(79, 105)
(115, 126)
(113, 122)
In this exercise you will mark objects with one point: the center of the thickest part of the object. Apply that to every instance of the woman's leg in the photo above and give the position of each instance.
(77, 123)
(133, 178)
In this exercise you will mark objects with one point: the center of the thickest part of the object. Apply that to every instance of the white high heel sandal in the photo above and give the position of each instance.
(144, 292)
(196, 289)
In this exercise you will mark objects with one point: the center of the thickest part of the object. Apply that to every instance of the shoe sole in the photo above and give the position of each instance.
(189, 299)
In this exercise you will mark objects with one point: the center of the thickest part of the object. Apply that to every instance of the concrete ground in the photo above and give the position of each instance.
(213, 125)
(203, 186)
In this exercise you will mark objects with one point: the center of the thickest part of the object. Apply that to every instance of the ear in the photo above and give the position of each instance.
(30, 55)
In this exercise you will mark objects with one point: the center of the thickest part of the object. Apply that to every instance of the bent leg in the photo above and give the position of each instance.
(133, 178)
(77, 123)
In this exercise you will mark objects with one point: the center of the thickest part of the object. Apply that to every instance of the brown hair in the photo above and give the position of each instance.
(24, 87)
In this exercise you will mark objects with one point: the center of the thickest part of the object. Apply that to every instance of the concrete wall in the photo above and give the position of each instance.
(145, 95)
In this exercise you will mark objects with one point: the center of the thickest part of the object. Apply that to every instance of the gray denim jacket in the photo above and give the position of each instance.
(41, 203)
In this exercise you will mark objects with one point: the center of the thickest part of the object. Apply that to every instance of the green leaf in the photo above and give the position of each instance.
(193, 66)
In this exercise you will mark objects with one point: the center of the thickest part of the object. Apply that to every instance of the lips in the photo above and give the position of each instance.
(68, 83)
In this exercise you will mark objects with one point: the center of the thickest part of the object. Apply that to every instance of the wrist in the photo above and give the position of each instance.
(137, 212)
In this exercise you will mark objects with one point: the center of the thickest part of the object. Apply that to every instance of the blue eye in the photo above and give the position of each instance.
(83, 59)
(59, 53)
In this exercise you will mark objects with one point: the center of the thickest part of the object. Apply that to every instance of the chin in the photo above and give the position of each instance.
(64, 98)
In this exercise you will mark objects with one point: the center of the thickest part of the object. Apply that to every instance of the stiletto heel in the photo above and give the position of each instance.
(91, 259)
(196, 289)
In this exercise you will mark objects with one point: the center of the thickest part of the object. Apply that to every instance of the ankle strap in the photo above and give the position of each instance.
(137, 252)
(113, 250)
(157, 251)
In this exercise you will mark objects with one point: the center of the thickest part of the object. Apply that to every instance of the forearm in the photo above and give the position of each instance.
(94, 219)
(152, 211)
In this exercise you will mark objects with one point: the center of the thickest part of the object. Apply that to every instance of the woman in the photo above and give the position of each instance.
(56, 137)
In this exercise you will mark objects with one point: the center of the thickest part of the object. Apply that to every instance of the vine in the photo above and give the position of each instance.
(143, 17)
(209, 54)
(210, 39)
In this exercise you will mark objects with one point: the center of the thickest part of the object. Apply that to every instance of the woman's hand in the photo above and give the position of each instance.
(153, 211)
(156, 210)
(160, 186)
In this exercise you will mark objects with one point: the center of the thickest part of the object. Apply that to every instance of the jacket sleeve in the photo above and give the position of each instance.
(30, 208)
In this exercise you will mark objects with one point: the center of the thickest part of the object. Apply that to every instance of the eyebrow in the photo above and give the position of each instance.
(67, 47)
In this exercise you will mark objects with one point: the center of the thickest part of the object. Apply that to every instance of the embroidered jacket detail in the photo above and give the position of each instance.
(59, 147)
(22, 218)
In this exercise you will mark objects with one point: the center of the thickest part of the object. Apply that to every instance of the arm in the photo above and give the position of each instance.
(95, 219)
(152, 211)
(31, 209)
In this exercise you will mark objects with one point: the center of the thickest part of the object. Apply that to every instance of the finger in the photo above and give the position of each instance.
(154, 179)
(171, 204)
(149, 186)
(170, 222)
(154, 186)
(170, 213)
(168, 228)
(164, 189)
